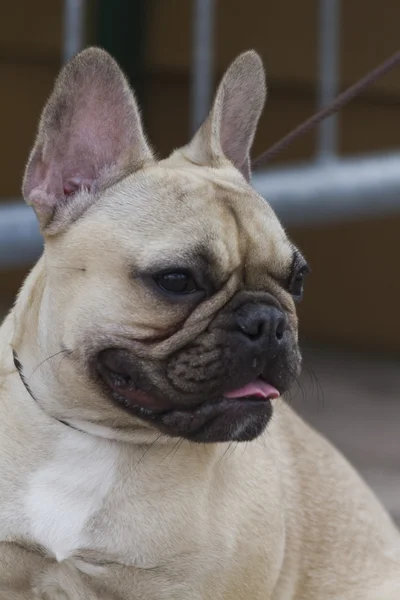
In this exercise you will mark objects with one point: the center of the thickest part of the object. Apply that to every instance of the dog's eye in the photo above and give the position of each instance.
(296, 284)
(178, 282)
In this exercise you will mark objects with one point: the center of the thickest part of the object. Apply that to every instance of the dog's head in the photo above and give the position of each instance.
(169, 285)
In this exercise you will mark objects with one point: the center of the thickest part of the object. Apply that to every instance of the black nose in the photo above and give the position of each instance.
(263, 325)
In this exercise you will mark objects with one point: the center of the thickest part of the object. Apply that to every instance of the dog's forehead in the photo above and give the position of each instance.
(164, 209)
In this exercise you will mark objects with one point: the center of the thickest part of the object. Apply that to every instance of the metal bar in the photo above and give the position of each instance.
(328, 57)
(300, 195)
(20, 240)
(73, 28)
(339, 190)
(202, 61)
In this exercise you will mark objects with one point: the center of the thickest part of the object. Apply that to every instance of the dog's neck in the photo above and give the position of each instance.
(19, 368)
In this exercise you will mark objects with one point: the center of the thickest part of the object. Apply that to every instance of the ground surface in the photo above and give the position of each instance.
(356, 404)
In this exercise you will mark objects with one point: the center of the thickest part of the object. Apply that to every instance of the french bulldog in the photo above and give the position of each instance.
(146, 453)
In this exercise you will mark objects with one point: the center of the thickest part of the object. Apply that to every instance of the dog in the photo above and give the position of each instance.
(145, 450)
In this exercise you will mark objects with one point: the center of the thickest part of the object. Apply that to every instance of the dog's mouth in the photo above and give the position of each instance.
(237, 415)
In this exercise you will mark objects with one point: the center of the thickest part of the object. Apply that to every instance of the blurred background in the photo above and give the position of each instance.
(337, 189)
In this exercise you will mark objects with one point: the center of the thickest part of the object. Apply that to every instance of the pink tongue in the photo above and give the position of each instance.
(258, 388)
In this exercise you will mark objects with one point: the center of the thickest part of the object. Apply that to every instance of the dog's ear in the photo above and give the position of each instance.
(90, 135)
(231, 125)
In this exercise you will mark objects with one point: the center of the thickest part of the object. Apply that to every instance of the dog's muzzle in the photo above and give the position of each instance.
(220, 387)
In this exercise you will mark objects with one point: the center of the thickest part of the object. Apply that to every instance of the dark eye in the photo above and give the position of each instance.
(178, 282)
(297, 282)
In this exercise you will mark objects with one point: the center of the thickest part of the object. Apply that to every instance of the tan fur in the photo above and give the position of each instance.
(116, 510)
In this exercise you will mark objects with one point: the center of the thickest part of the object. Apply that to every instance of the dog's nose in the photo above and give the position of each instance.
(263, 325)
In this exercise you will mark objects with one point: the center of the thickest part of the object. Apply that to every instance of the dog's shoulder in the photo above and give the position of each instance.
(327, 505)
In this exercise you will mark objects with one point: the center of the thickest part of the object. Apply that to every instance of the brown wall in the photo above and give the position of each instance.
(283, 32)
(352, 263)
(29, 60)
(30, 40)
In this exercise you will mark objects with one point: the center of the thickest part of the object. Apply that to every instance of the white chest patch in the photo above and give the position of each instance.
(67, 491)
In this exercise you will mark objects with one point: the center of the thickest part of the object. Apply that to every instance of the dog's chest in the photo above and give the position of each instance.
(90, 501)
(67, 491)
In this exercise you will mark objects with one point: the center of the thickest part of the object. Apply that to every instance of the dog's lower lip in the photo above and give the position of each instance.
(218, 421)
(124, 390)
(137, 397)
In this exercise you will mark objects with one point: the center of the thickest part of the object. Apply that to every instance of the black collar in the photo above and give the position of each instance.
(18, 366)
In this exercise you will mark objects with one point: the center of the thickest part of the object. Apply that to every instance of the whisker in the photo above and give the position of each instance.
(60, 363)
(245, 445)
(225, 453)
(147, 450)
(315, 386)
(178, 443)
(49, 358)
(320, 389)
(233, 447)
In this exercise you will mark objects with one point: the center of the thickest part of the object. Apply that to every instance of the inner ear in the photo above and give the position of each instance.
(231, 125)
(90, 135)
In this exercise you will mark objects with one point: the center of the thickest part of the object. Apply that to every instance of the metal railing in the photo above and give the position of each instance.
(325, 189)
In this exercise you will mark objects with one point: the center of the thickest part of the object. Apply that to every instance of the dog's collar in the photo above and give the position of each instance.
(18, 366)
